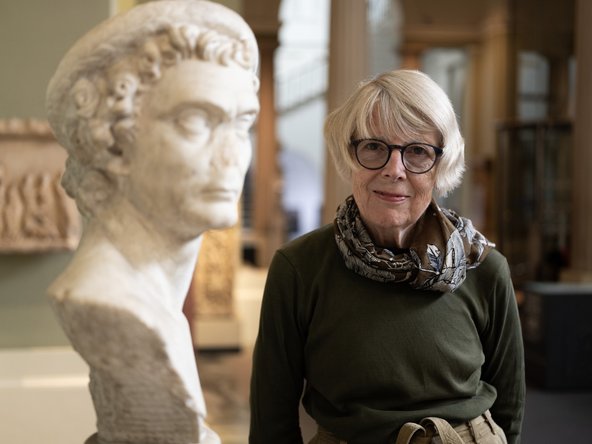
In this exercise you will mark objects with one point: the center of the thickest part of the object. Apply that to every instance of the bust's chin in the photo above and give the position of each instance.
(222, 219)
(212, 221)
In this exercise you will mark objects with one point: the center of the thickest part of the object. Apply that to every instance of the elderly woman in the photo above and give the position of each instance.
(398, 322)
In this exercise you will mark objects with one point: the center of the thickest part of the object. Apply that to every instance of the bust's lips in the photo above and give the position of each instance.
(219, 193)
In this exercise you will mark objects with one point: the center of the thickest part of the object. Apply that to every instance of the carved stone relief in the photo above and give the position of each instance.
(213, 281)
(35, 212)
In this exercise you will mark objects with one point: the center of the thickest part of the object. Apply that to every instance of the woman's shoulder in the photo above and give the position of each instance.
(316, 240)
(494, 262)
(310, 250)
(492, 271)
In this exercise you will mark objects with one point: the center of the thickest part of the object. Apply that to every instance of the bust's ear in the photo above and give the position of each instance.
(122, 146)
(118, 163)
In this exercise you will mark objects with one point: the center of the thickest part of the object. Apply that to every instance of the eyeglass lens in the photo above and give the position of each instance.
(417, 157)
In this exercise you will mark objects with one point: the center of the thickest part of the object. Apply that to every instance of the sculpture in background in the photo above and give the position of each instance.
(35, 213)
(154, 108)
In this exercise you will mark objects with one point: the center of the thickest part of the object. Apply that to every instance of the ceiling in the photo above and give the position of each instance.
(449, 12)
(542, 25)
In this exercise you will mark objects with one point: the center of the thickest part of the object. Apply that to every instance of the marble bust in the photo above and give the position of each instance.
(154, 108)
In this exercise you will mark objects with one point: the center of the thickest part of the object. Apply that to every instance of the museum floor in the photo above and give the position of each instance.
(43, 394)
(225, 377)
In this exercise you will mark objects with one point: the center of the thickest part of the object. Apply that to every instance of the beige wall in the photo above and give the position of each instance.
(34, 35)
(26, 319)
(236, 5)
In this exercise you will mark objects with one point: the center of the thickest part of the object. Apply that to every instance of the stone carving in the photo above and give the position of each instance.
(35, 212)
(154, 108)
(213, 280)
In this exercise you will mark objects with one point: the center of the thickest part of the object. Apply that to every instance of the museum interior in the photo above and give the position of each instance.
(518, 73)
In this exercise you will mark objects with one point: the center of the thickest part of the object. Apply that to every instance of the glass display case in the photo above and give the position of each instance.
(533, 186)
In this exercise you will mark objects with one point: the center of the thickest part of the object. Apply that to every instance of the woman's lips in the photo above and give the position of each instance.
(391, 197)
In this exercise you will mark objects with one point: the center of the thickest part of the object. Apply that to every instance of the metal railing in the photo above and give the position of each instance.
(301, 86)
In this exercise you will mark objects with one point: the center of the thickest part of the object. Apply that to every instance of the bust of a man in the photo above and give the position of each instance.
(154, 108)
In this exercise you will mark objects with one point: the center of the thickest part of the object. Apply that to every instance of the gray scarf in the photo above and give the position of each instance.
(443, 247)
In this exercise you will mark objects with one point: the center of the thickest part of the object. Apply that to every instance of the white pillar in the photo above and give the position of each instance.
(268, 221)
(348, 65)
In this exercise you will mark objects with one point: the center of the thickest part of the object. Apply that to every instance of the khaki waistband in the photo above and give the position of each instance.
(476, 422)
(426, 429)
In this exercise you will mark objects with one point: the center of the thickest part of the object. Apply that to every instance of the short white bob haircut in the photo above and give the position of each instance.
(403, 103)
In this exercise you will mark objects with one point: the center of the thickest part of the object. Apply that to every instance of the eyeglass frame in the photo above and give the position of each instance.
(401, 148)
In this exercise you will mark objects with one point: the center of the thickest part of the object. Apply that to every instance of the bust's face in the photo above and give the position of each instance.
(192, 147)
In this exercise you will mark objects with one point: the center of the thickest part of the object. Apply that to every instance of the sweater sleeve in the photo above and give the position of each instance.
(277, 376)
(504, 355)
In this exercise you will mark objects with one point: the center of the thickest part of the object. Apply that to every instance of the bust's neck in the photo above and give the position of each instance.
(163, 261)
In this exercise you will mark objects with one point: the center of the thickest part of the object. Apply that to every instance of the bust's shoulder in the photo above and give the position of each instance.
(86, 274)
(97, 275)
(103, 292)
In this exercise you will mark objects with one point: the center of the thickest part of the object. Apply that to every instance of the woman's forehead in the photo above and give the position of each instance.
(387, 128)
(392, 125)
(398, 135)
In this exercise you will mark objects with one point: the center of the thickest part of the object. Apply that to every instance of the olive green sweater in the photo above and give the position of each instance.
(371, 356)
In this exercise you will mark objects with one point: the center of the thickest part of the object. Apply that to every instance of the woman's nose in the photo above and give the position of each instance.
(394, 167)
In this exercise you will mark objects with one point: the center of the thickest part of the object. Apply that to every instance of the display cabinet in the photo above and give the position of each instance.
(533, 198)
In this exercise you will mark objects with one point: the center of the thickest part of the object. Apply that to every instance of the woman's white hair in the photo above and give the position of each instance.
(406, 104)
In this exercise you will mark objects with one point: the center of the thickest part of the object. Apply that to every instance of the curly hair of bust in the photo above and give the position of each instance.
(107, 103)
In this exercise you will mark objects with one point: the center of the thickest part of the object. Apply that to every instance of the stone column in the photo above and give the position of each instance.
(411, 55)
(268, 218)
(559, 87)
(581, 216)
(348, 65)
(498, 76)
(474, 188)
(262, 16)
(497, 95)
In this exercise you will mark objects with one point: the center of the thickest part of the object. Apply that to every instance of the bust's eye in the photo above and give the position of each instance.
(244, 122)
(193, 121)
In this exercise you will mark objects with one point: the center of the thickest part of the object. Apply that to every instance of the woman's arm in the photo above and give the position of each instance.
(504, 355)
(278, 363)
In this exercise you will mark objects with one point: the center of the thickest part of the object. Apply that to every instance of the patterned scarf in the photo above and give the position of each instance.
(443, 247)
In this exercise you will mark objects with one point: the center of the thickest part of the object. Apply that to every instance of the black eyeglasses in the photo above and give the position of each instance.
(417, 157)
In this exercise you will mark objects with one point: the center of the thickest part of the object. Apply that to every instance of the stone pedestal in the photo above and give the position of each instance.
(558, 334)
(214, 322)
